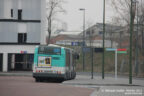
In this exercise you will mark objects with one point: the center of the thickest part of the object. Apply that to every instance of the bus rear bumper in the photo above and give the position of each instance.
(48, 75)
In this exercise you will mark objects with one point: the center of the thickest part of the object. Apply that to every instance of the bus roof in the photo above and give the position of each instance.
(53, 45)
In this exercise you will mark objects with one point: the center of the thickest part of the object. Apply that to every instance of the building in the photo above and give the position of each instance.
(22, 27)
(66, 37)
(113, 35)
(97, 30)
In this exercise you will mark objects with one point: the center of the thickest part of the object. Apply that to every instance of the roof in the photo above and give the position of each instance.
(69, 32)
(54, 45)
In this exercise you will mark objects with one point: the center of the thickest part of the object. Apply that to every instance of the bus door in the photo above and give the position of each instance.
(68, 60)
(1, 61)
(71, 62)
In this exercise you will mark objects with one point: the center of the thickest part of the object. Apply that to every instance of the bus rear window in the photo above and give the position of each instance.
(49, 50)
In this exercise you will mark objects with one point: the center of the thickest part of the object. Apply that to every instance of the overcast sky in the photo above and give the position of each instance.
(94, 13)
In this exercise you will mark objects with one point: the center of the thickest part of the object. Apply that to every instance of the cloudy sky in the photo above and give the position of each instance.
(94, 13)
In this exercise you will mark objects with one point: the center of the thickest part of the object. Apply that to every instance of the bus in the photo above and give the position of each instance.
(54, 62)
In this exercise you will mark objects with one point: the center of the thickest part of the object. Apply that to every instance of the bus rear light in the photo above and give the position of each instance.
(58, 72)
(39, 71)
(36, 70)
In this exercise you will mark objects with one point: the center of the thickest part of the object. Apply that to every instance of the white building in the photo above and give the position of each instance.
(22, 27)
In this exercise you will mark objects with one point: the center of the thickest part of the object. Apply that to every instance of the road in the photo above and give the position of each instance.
(26, 86)
(22, 84)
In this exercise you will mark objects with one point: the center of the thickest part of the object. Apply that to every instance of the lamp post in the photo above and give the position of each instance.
(136, 61)
(83, 44)
(142, 24)
(103, 58)
(132, 15)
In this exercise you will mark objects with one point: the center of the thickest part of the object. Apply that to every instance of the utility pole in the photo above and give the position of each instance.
(91, 47)
(132, 16)
(83, 44)
(103, 58)
(92, 62)
(142, 31)
(136, 56)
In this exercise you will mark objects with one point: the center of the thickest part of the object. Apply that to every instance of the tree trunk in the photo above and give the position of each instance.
(49, 30)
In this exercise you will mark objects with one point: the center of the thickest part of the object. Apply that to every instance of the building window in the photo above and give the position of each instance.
(22, 37)
(19, 14)
(100, 32)
(88, 33)
(11, 12)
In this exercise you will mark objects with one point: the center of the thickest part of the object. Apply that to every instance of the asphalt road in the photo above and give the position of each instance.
(26, 86)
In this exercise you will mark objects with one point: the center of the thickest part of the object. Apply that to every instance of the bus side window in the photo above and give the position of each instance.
(67, 58)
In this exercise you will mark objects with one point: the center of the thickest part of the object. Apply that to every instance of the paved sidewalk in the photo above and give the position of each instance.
(108, 81)
(84, 78)
(16, 73)
(109, 86)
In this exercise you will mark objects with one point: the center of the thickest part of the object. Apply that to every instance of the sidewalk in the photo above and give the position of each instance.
(108, 81)
(16, 73)
(84, 78)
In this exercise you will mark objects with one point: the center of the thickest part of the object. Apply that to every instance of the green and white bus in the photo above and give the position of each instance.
(54, 62)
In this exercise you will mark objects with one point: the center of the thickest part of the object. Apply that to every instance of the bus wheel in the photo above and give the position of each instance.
(37, 80)
(60, 80)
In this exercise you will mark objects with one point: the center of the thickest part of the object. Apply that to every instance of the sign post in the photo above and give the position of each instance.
(115, 64)
(121, 51)
(116, 52)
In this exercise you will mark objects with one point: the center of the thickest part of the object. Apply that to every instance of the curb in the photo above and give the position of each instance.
(91, 84)
(94, 93)
(16, 74)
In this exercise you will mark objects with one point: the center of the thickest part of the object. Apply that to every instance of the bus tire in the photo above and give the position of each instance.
(37, 80)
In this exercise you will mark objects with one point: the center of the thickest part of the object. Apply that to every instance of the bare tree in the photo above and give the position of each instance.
(126, 16)
(122, 7)
(53, 8)
(140, 19)
(123, 10)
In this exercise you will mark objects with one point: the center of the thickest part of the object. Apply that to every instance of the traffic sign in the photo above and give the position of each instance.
(74, 43)
(110, 49)
(122, 52)
(116, 52)
(124, 49)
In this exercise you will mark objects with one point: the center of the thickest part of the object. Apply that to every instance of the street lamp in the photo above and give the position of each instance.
(132, 14)
(83, 44)
(136, 57)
